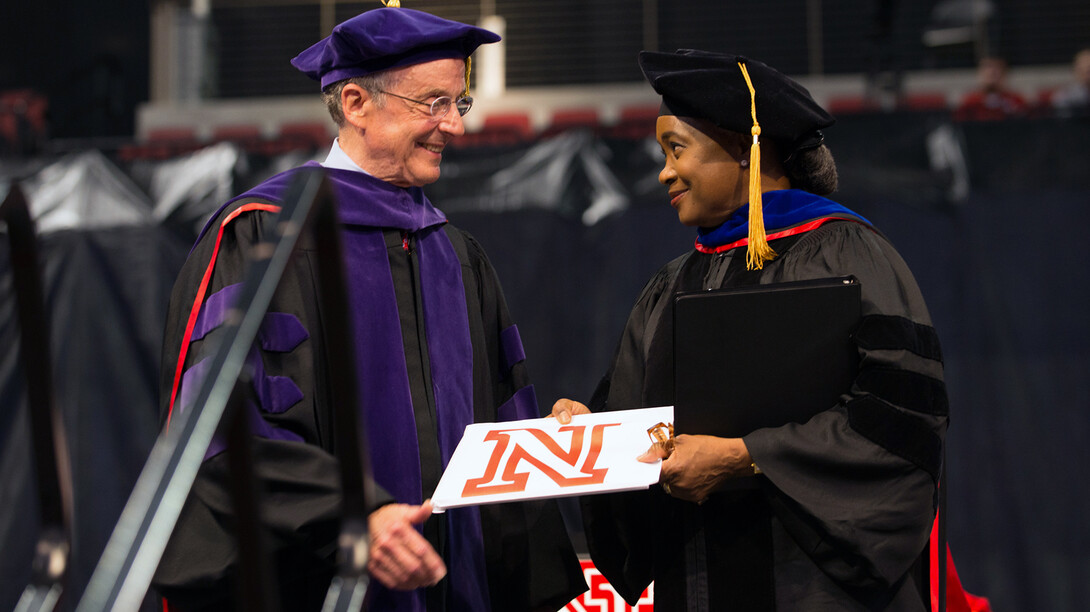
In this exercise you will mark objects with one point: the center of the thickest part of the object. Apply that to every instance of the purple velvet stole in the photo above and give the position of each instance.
(367, 205)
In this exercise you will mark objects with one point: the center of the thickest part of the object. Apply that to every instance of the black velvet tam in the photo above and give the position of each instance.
(710, 86)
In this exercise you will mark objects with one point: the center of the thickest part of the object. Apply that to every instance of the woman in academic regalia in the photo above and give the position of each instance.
(845, 501)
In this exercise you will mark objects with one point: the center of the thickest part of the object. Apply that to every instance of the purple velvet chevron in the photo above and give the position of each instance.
(280, 331)
(258, 427)
(190, 385)
(522, 405)
(511, 348)
(275, 394)
(214, 311)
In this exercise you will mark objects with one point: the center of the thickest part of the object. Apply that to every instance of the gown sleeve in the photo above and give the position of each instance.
(856, 485)
(617, 525)
(297, 474)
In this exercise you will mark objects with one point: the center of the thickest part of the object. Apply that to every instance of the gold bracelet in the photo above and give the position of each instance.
(662, 436)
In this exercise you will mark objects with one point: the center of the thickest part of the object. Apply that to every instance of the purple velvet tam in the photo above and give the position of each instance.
(385, 38)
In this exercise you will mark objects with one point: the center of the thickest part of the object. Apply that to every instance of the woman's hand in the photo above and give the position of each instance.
(564, 408)
(699, 465)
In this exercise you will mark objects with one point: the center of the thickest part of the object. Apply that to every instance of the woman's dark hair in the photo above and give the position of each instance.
(812, 170)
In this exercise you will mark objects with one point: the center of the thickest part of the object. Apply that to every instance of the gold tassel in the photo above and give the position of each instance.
(759, 251)
(391, 3)
(469, 64)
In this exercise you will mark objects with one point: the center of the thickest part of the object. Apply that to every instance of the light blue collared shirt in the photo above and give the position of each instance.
(340, 160)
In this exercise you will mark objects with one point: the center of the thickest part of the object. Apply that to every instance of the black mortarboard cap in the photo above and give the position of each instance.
(706, 85)
(385, 38)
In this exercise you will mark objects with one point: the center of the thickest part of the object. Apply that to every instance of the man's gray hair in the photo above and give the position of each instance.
(373, 84)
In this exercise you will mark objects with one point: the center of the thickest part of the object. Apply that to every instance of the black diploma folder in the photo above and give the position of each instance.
(762, 355)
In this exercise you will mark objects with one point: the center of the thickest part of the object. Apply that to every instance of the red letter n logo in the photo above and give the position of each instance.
(536, 448)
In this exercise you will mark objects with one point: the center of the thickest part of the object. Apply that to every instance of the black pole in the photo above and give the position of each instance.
(942, 536)
(136, 545)
(346, 593)
(47, 427)
(256, 573)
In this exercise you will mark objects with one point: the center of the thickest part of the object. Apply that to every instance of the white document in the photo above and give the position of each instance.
(539, 458)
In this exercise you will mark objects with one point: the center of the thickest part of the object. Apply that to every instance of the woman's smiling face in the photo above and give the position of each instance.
(701, 172)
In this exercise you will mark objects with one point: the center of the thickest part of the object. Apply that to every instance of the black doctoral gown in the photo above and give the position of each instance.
(435, 348)
(846, 504)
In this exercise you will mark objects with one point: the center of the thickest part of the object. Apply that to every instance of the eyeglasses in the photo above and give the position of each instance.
(441, 105)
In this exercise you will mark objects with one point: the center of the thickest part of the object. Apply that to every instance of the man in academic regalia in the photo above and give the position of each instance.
(436, 350)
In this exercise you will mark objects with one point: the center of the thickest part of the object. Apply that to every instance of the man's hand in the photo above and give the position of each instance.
(699, 465)
(563, 410)
(401, 558)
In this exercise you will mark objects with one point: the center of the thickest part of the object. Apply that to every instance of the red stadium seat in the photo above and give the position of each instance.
(499, 129)
(310, 134)
(162, 143)
(572, 119)
(850, 105)
(924, 101)
(635, 123)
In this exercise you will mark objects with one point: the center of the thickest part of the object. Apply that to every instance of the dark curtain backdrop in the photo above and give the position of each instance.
(987, 215)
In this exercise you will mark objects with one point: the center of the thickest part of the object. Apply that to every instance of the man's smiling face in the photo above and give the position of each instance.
(402, 143)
